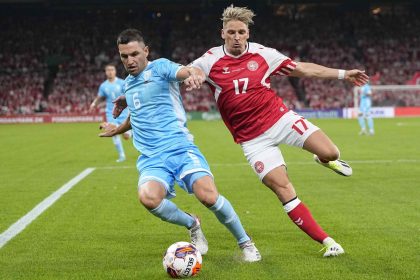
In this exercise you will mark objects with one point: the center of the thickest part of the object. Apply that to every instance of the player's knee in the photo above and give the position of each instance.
(331, 154)
(126, 136)
(205, 191)
(149, 198)
(278, 184)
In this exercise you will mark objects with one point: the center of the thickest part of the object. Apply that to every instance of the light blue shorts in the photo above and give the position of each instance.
(183, 166)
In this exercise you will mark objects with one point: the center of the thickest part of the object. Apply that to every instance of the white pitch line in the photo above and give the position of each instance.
(23, 222)
(308, 162)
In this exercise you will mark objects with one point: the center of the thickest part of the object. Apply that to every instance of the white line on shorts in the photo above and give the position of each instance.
(23, 222)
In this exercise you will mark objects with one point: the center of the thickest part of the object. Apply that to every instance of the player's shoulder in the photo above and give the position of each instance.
(258, 48)
(103, 85)
(160, 61)
(161, 64)
(215, 52)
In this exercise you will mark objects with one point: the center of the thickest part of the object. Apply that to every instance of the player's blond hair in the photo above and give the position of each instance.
(237, 13)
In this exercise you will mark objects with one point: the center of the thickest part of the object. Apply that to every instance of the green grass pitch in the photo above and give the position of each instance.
(98, 230)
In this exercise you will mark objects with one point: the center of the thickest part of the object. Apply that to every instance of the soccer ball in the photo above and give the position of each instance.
(181, 260)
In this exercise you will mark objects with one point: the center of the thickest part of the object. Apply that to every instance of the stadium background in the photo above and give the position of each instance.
(53, 52)
(51, 62)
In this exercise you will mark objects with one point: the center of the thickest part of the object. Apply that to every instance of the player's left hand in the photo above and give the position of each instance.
(120, 103)
(195, 80)
(356, 77)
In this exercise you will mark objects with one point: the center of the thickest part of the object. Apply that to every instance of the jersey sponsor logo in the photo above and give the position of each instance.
(259, 167)
(226, 70)
(252, 65)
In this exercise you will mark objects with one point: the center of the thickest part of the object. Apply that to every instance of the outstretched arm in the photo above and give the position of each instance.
(95, 102)
(312, 70)
(192, 76)
(112, 130)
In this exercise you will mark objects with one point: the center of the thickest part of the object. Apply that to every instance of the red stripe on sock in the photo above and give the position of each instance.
(302, 217)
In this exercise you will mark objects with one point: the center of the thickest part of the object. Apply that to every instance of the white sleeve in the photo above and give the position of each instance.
(278, 63)
(202, 63)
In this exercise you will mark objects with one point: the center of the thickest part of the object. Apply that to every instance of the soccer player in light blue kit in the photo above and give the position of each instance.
(108, 91)
(168, 154)
(364, 109)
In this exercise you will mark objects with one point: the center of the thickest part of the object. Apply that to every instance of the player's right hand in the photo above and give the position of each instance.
(119, 105)
(356, 77)
(108, 129)
(92, 108)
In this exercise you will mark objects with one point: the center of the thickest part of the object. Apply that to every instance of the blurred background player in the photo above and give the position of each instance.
(168, 153)
(365, 104)
(108, 91)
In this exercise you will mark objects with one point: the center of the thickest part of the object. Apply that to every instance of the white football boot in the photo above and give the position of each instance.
(197, 236)
(338, 166)
(121, 159)
(250, 253)
(332, 248)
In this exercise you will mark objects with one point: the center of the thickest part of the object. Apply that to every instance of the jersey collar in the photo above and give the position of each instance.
(236, 56)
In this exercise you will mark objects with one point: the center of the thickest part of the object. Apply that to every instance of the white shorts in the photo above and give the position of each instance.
(263, 153)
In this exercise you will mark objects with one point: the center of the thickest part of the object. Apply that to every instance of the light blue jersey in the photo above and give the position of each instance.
(365, 99)
(111, 91)
(158, 118)
(158, 123)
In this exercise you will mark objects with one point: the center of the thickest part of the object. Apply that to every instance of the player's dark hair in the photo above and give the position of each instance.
(110, 65)
(130, 35)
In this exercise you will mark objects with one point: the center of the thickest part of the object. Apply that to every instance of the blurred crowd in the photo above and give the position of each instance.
(55, 63)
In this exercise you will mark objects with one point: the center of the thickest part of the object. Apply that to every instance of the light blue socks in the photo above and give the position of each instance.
(168, 211)
(227, 216)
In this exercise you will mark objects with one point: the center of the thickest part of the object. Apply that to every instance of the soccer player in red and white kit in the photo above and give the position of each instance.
(238, 73)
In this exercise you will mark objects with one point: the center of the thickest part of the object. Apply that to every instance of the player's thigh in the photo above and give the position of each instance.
(293, 130)
(262, 155)
(152, 169)
(321, 145)
(191, 166)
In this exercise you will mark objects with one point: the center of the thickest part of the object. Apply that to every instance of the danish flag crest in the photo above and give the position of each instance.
(252, 65)
(259, 167)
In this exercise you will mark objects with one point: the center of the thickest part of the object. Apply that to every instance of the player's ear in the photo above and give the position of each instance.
(146, 50)
(222, 33)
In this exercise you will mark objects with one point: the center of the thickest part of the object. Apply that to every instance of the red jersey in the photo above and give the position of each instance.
(241, 87)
